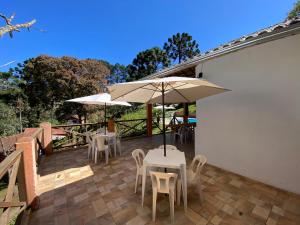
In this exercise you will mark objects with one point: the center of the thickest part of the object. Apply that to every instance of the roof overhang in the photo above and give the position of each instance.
(278, 31)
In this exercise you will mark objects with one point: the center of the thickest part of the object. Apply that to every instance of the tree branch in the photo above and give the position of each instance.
(10, 28)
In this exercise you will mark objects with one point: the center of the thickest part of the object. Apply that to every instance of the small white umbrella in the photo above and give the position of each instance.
(176, 90)
(166, 107)
(99, 99)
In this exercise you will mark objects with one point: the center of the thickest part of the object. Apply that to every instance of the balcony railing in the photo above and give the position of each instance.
(11, 205)
(72, 135)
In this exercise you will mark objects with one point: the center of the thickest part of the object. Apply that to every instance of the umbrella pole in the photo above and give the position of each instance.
(104, 118)
(164, 127)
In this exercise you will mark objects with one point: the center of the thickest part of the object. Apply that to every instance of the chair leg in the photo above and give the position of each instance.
(171, 199)
(136, 181)
(178, 192)
(154, 204)
(96, 156)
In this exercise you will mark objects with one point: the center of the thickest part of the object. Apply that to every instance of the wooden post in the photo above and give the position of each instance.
(111, 125)
(47, 137)
(149, 120)
(27, 145)
(185, 112)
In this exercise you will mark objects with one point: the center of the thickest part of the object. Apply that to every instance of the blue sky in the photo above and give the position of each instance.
(117, 30)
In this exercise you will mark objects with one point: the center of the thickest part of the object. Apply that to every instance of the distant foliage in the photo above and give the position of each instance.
(147, 62)
(49, 81)
(180, 47)
(13, 104)
(118, 74)
(9, 123)
(295, 11)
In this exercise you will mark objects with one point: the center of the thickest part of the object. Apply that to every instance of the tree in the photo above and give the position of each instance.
(9, 123)
(12, 96)
(295, 11)
(50, 81)
(181, 46)
(118, 74)
(10, 28)
(147, 62)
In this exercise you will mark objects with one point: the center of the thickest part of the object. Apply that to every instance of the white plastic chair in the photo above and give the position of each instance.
(163, 183)
(138, 155)
(193, 176)
(101, 147)
(181, 134)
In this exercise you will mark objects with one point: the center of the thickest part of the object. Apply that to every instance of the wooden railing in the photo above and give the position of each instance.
(7, 144)
(156, 124)
(11, 204)
(38, 143)
(72, 135)
(130, 128)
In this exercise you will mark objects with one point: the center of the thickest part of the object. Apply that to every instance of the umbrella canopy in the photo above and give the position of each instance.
(150, 91)
(99, 99)
(164, 90)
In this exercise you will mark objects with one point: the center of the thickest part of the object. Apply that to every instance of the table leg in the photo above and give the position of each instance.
(144, 183)
(184, 185)
(115, 146)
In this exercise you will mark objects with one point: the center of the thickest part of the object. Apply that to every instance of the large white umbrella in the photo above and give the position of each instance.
(99, 99)
(164, 90)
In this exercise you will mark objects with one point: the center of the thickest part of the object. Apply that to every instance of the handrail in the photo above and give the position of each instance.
(76, 125)
(116, 121)
(8, 162)
(37, 132)
(10, 165)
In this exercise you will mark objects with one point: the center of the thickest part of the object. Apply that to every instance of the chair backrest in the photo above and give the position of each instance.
(138, 155)
(101, 130)
(197, 164)
(168, 147)
(100, 142)
(163, 181)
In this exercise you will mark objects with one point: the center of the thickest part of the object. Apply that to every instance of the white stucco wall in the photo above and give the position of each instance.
(254, 130)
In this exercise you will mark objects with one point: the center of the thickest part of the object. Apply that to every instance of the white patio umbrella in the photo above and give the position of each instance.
(166, 107)
(164, 90)
(99, 99)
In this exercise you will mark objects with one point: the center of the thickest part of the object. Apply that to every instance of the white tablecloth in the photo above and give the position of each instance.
(175, 159)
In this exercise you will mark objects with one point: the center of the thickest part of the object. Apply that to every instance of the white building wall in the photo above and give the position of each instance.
(254, 130)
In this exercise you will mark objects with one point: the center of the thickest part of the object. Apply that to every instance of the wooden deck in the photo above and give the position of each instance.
(74, 190)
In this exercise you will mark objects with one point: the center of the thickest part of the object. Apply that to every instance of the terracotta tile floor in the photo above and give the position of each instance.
(74, 190)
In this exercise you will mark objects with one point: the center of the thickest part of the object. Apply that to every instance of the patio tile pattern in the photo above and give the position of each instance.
(74, 190)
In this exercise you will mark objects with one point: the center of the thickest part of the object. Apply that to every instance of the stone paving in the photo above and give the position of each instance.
(75, 191)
